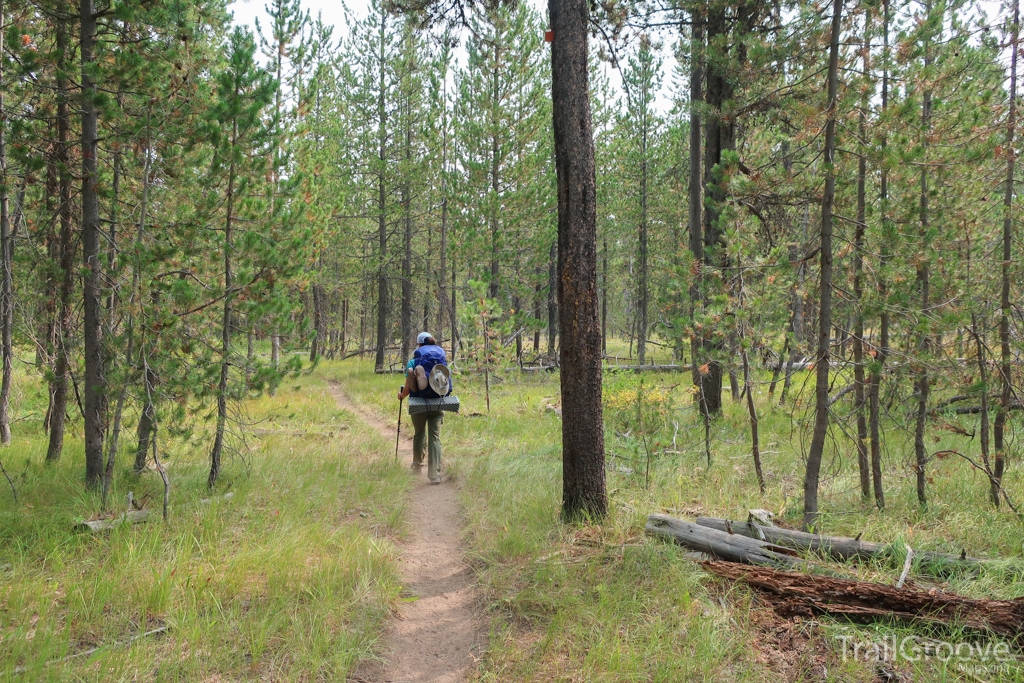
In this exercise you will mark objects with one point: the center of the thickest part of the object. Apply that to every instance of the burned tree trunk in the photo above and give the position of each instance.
(583, 472)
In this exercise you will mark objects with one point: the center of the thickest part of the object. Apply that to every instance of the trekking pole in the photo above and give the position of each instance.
(399, 431)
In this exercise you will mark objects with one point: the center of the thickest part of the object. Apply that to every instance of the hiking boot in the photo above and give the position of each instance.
(435, 480)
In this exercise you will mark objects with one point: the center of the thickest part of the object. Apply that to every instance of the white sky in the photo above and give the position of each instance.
(246, 12)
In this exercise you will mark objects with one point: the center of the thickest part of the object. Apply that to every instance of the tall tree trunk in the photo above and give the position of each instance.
(863, 465)
(382, 226)
(825, 283)
(92, 323)
(62, 335)
(112, 301)
(875, 379)
(6, 260)
(407, 331)
(696, 201)
(718, 137)
(454, 318)
(923, 281)
(495, 187)
(583, 471)
(442, 273)
(1005, 367)
(643, 286)
(225, 348)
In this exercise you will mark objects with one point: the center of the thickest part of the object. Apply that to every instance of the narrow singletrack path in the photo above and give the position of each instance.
(439, 629)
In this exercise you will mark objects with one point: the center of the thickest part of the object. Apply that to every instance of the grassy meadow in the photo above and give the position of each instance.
(292, 578)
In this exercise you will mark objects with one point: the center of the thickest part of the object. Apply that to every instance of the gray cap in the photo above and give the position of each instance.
(422, 337)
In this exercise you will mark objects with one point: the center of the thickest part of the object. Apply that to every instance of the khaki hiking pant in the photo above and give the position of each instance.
(424, 422)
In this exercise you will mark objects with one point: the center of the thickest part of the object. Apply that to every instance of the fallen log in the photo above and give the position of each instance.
(129, 517)
(798, 594)
(839, 547)
(732, 547)
(646, 368)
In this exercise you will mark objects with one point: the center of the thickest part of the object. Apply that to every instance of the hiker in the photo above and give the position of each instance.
(427, 355)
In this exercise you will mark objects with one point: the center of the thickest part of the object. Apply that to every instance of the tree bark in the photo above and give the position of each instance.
(825, 283)
(643, 286)
(1006, 359)
(225, 349)
(875, 379)
(798, 594)
(407, 331)
(696, 199)
(583, 471)
(6, 252)
(924, 283)
(62, 334)
(382, 227)
(863, 465)
(717, 135)
(92, 324)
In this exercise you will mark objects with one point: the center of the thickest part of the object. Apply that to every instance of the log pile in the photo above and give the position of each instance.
(729, 547)
(797, 594)
(839, 547)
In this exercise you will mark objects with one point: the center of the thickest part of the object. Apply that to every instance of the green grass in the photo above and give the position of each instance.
(290, 579)
(606, 603)
(293, 577)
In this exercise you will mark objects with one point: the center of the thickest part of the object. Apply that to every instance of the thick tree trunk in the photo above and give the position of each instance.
(709, 369)
(583, 471)
(1006, 359)
(62, 334)
(824, 283)
(92, 323)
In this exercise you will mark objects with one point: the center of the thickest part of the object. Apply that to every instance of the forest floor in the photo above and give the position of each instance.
(309, 571)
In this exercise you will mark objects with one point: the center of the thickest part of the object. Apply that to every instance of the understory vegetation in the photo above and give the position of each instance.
(604, 602)
(288, 578)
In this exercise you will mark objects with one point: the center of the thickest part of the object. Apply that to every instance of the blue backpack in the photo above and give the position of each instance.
(427, 357)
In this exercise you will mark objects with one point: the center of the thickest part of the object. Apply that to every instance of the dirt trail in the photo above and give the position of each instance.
(437, 634)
